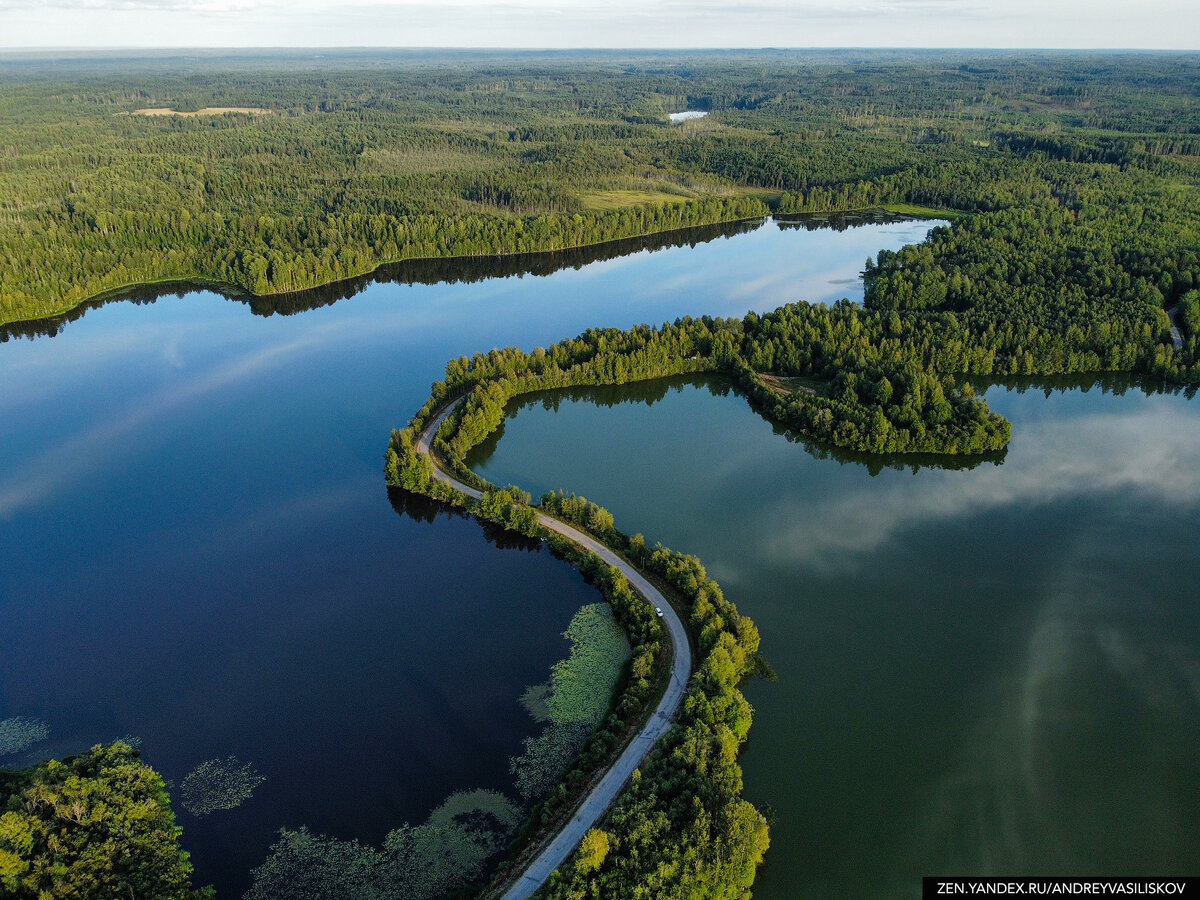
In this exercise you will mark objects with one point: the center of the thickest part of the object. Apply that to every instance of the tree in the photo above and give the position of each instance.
(92, 827)
(592, 850)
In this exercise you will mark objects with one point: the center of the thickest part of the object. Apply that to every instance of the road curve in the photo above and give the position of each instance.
(602, 795)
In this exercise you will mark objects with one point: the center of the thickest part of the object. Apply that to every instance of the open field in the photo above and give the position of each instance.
(618, 199)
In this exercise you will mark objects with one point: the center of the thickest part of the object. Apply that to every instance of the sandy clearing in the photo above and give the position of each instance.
(207, 111)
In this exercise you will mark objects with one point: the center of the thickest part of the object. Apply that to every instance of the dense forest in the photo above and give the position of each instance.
(875, 391)
(1079, 172)
(95, 825)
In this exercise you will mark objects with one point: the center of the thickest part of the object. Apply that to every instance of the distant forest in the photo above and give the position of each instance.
(1080, 174)
(1072, 181)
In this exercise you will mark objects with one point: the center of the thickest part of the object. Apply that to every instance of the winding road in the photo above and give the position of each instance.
(602, 795)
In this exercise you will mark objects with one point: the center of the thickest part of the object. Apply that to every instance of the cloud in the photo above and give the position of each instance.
(53, 468)
(1011, 796)
(571, 23)
(1153, 452)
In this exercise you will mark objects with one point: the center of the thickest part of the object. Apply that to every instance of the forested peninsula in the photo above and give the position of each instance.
(680, 827)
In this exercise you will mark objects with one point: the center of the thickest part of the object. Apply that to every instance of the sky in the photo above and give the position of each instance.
(1136, 24)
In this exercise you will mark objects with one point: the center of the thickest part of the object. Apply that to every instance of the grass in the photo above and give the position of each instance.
(619, 199)
(925, 212)
(769, 196)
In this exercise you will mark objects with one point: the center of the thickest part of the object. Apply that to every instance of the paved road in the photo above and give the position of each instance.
(594, 805)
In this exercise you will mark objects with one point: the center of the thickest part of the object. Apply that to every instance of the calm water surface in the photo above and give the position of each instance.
(988, 670)
(198, 549)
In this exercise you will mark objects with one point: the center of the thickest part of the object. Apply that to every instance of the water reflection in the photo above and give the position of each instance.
(840, 221)
(986, 670)
(1081, 756)
(192, 506)
(1118, 384)
(420, 508)
(452, 270)
(648, 393)
(1149, 452)
(55, 467)
(457, 270)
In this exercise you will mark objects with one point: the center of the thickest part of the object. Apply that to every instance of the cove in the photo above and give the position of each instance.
(988, 668)
(199, 550)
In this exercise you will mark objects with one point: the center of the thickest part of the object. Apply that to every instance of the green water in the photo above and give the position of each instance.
(982, 670)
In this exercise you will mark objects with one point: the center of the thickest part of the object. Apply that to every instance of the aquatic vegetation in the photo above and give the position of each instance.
(219, 784)
(453, 846)
(21, 732)
(546, 756)
(443, 855)
(581, 685)
(480, 802)
(574, 700)
(534, 701)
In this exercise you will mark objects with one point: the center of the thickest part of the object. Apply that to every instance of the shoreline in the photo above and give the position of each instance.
(237, 292)
(554, 849)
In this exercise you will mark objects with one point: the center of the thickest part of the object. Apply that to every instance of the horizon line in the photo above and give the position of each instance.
(83, 48)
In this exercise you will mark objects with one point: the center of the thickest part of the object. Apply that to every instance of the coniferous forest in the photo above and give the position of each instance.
(1072, 182)
(1077, 172)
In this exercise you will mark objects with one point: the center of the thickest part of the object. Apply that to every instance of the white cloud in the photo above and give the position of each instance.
(1153, 452)
(621, 23)
(56, 467)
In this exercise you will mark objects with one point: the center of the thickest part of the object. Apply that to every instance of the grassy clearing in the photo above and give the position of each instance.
(619, 199)
(925, 212)
(796, 384)
(769, 196)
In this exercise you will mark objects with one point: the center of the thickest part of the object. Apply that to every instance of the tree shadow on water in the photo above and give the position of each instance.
(424, 509)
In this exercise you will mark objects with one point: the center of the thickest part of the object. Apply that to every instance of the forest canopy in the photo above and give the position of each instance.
(95, 825)
(1080, 170)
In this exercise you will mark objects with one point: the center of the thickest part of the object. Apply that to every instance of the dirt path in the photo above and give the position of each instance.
(601, 797)
(1176, 335)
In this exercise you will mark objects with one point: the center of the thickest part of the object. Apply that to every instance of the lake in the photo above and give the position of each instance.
(199, 551)
(987, 669)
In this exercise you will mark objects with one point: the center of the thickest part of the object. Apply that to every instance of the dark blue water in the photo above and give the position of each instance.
(198, 549)
(982, 670)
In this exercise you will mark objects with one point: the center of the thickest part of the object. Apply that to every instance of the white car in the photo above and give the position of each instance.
(658, 609)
